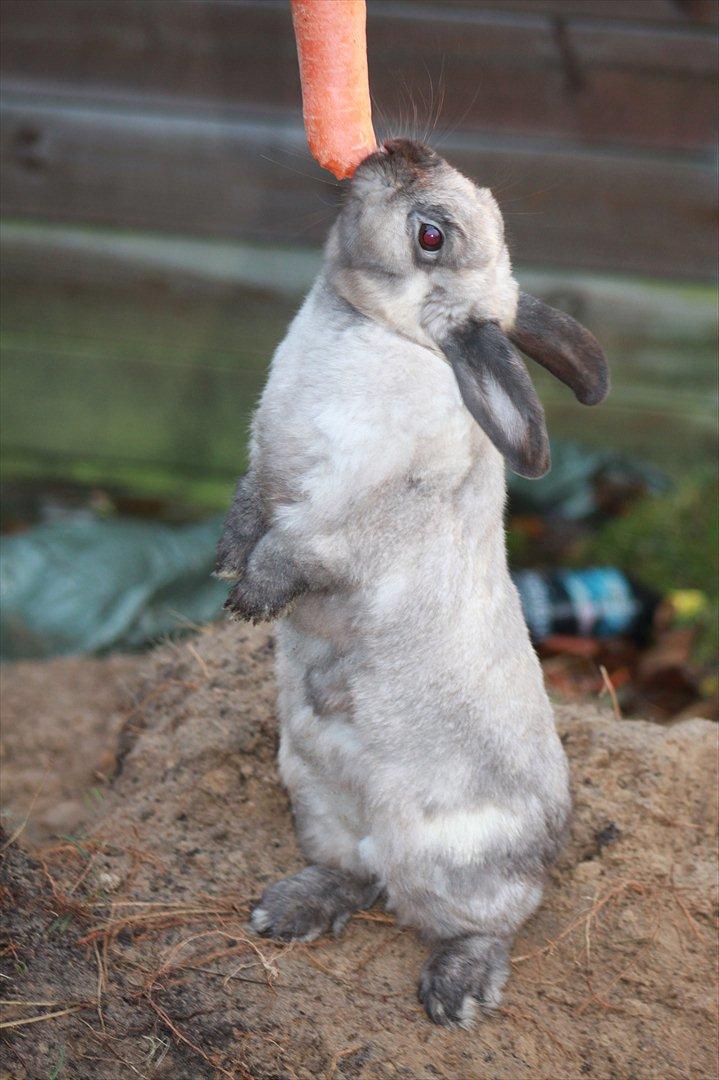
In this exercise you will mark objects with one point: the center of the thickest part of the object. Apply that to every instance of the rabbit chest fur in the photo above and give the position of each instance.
(417, 741)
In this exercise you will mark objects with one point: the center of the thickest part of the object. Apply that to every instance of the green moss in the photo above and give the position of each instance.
(667, 542)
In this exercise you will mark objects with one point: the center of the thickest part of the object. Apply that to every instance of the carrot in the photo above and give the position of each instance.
(332, 50)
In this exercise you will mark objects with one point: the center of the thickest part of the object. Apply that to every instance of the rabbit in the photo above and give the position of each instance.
(417, 741)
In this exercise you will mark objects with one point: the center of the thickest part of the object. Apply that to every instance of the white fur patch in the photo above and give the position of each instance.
(340, 736)
(368, 854)
(515, 899)
(226, 575)
(465, 834)
(259, 920)
(392, 588)
(468, 1012)
(503, 410)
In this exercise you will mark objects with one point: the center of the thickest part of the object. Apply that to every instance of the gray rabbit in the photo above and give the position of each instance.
(417, 741)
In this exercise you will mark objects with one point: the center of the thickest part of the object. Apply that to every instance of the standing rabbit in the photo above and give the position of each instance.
(417, 741)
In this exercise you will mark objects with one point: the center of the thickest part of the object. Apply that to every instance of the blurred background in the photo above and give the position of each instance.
(162, 219)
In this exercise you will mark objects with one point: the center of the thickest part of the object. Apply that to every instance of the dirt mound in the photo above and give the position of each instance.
(60, 724)
(138, 926)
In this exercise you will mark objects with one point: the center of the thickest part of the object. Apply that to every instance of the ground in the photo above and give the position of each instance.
(126, 951)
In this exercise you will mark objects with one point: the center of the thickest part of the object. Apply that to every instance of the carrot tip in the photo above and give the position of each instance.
(332, 52)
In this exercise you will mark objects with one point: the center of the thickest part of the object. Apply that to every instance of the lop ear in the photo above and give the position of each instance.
(563, 346)
(498, 392)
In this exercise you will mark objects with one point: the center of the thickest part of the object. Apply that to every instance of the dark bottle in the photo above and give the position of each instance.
(598, 602)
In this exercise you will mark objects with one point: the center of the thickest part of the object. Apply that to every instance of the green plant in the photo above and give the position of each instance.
(57, 1067)
(667, 542)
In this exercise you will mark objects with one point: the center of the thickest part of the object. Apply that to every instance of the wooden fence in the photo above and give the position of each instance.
(162, 213)
(595, 119)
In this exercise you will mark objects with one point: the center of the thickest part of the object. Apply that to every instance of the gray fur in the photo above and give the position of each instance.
(482, 358)
(270, 581)
(313, 902)
(417, 741)
(460, 973)
(244, 527)
(327, 688)
(564, 347)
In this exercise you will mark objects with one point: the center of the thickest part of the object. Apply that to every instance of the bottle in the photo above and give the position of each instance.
(599, 602)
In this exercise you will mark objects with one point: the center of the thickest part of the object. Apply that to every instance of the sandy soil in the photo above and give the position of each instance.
(137, 926)
(60, 721)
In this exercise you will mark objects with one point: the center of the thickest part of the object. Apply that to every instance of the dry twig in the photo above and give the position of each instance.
(609, 687)
(44, 1016)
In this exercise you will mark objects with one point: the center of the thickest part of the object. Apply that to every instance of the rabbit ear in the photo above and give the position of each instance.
(563, 346)
(498, 392)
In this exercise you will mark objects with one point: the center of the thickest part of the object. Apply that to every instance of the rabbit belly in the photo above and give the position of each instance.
(447, 874)
(456, 846)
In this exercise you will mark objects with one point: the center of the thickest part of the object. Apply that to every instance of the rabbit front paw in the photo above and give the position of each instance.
(232, 558)
(254, 602)
(269, 585)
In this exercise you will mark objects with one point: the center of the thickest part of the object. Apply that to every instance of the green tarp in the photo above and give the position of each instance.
(88, 585)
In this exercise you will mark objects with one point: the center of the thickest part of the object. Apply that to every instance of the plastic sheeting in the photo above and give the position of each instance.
(89, 585)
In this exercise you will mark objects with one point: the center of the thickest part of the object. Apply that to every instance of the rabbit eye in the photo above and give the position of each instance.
(430, 237)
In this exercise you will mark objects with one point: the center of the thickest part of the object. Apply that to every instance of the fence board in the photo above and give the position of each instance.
(508, 71)
(253, 179)
(583, 83)
(120, 362)
(639, 11)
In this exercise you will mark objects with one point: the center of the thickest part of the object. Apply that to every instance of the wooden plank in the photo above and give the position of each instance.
(496, 70)
(148, 262)
(601, 210)
(161, 171)
(593, 82)
(133, 375)
(655, 88)
(639, 11)
(667, 52)
(194, 50)
(253, 178)
(75, 258)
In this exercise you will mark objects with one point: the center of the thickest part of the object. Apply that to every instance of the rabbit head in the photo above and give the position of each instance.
(420, 248)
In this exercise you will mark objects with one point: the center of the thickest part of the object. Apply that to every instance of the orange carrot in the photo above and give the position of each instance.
(332, 50)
